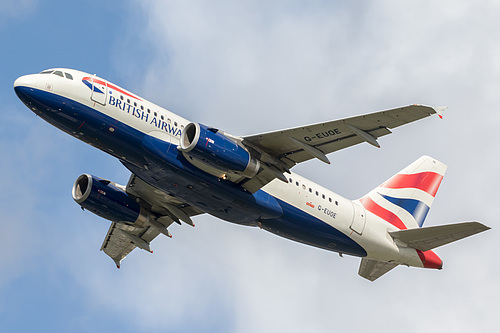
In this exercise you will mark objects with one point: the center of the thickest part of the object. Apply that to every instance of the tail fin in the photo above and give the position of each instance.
(405, 199)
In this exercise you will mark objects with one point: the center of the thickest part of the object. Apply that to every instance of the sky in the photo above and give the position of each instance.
(248, 67)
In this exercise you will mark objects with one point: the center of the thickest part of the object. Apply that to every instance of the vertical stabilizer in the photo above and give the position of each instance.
(405, 199)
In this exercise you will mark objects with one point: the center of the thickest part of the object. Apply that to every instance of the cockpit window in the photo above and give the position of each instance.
(58, 73)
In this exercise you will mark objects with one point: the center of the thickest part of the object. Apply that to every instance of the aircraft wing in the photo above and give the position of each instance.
(281, 150)
(122, 239)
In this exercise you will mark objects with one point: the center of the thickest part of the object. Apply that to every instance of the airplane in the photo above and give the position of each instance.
(180, 169)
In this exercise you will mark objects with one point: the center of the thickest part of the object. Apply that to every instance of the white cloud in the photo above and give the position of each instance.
(250, 67)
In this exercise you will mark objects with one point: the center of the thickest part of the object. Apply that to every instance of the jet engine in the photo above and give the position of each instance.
(210, 149)
(107, 200)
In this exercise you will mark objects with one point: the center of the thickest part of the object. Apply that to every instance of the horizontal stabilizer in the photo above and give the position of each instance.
(373, 269)
(428, 238)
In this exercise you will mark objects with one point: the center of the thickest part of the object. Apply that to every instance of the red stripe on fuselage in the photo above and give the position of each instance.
(112, 86)
(425, 181)
(381, 212)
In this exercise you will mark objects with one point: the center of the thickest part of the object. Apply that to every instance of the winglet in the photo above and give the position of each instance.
(439, 110)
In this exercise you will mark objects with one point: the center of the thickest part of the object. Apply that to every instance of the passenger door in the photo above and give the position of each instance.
(99, 90)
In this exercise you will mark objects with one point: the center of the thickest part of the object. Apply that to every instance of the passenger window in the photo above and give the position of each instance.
(59, 73)
(323, 196)
(142, 107)
(303, 187)
(162, 117)
(170, 121)
(297, 183)
(317, 193)
(330, 199)
(121, 97)
(156, 114)
(336, 203)
(149, 111)
(68, 76)
(128, 101)
(135, 104)
(175, 123)
(310, 190)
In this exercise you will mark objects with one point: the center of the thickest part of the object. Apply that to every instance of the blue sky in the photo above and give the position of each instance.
(249, 67)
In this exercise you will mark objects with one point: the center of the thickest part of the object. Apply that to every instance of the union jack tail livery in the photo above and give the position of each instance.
(402, 202)
(405, 199)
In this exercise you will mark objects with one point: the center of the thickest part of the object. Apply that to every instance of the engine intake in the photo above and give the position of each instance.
(106, 200)
(211, 147)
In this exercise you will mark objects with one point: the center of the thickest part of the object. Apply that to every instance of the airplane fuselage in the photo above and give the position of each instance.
(145, 138)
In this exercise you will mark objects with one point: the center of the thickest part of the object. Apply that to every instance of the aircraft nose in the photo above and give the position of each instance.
(24, 87)
(28, 81)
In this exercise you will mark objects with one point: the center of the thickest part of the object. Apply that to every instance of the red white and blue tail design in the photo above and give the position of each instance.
(405, 199)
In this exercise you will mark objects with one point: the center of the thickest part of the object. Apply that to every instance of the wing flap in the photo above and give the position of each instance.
(428, 238)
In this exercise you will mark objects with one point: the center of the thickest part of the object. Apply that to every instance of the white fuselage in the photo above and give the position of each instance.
(346, 216)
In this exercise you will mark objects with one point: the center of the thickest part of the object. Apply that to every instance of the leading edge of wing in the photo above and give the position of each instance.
(428, 110)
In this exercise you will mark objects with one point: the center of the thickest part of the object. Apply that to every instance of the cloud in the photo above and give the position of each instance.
(252, 67)
(16, 8)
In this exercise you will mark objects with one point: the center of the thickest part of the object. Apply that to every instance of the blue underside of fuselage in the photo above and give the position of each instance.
(162, 165)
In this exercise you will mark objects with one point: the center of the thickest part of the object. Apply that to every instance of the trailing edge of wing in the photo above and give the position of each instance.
(428, 238)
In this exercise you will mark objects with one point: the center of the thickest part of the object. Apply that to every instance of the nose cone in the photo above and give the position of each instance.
(24, 88)
(28, 81)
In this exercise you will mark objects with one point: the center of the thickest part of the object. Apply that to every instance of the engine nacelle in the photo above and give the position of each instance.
(211, 147)
(107, 200)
